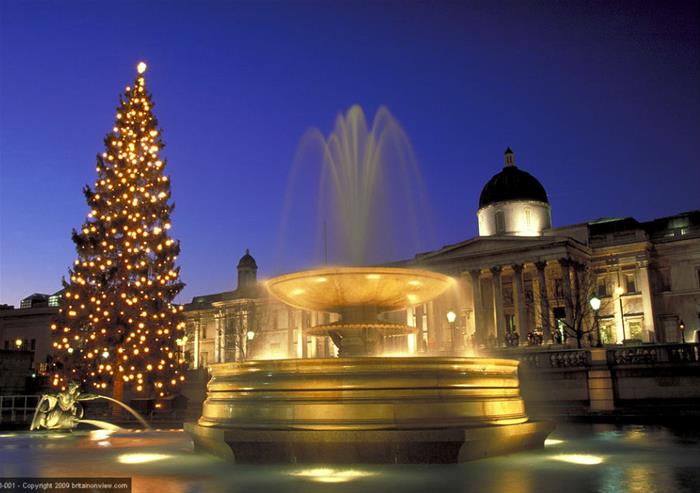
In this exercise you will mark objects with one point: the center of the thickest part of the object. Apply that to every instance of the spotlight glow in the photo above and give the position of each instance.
(329, 475)
(98, 435)
(141, 458)
(580, 459)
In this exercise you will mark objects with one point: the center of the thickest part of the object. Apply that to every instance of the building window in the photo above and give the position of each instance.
(634, 329)
(697, 275)
(33, 344)
(607, 331)
(7, 344)
(54, 300)
(631, 283)
(500, 222)
(558, 288)
(664, 280)
(528, 217)
(603, 288)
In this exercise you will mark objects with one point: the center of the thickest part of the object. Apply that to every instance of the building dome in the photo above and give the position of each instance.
(247, 272)
(247, 260)
(514, 203)
(512, 183)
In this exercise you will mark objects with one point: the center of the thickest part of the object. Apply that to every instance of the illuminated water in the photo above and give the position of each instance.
(577, 458)
(369, 205)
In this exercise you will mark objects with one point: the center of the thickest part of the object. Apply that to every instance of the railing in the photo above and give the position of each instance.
(17, 409)
(654, 354)
(547, 358)
(643, 354)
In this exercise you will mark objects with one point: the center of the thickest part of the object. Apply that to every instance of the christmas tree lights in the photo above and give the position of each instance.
(117, 324)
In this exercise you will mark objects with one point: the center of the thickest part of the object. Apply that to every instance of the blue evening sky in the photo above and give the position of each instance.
(599, 100)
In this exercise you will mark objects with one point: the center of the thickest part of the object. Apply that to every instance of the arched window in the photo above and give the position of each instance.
(528, 217)
(500, 222)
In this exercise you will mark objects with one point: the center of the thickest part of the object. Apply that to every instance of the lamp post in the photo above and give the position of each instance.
(451, 317)
(681, 328)
(618, 292)
(18, 343)
(595, 304)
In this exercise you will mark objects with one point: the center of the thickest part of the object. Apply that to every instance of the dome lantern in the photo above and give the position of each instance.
(513, 202)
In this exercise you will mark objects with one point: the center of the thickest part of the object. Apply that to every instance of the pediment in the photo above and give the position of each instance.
(486, 245)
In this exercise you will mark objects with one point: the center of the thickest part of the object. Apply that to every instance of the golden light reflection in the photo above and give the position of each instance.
(580, 459)
(141, 458)
(329, 475)
(550, 442)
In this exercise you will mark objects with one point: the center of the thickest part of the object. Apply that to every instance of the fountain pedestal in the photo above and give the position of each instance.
(364, 409)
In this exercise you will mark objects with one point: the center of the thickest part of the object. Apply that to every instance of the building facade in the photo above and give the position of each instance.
(520, 282)
(27, 328)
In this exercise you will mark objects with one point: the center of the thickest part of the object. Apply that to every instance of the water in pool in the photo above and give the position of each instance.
(576, 458)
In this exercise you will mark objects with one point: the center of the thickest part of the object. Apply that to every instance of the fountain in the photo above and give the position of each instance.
(362, 407)
(63, 411)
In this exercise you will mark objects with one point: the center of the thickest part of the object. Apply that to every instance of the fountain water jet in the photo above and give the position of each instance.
(359, 407)
(371, 202)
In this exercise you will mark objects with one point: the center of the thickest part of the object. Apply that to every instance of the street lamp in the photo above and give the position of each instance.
(451, 317)
(681, 327)
(595, 304)
(250, 335)
(18, 343)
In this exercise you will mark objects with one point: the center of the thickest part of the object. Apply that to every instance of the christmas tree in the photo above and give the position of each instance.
(117, 326)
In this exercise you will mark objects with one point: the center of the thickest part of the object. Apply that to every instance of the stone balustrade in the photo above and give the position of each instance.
(645, 379)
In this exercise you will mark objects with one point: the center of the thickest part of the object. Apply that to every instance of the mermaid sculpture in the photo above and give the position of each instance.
(61, 411)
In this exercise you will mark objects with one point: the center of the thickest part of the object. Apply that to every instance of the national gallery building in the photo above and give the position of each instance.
(520, 282)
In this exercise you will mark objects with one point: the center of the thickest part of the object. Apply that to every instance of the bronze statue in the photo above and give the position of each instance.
(61, 411)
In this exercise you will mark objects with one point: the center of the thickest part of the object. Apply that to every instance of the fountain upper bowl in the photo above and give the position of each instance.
(336, 289)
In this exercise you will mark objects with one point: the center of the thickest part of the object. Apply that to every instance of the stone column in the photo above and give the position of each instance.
(478, 306)
(196, 344)
(647, 307)
(217, 338)
(291, 349)
(498, 305)
(302, 336)
(519, 300)
(544, 301)
(565, 265)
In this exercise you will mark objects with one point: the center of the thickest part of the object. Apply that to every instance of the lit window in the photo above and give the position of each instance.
(630, 280)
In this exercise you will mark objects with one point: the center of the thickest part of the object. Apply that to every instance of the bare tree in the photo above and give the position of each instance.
(580, 321)
(244, 326)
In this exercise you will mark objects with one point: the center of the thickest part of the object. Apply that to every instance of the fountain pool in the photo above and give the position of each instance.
(577, 458)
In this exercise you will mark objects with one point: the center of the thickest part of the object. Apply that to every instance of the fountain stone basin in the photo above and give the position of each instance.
(359, 295)
(365, 410)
